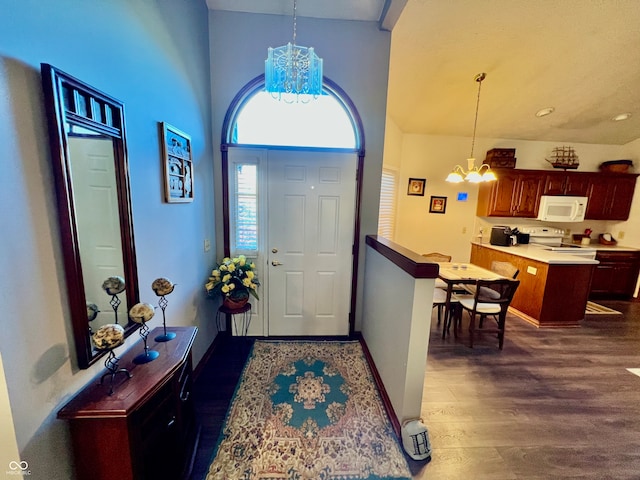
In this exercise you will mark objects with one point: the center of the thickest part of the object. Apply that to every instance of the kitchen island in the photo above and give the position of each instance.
(554, 287)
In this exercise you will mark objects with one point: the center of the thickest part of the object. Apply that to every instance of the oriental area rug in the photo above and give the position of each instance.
(307, 411)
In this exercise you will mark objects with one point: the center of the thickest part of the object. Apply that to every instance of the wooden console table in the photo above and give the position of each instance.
(147, 428)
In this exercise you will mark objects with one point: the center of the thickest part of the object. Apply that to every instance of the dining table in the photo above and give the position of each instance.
(455, 275)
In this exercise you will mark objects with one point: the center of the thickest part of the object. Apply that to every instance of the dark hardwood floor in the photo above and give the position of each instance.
(213, 389)
(554, 404)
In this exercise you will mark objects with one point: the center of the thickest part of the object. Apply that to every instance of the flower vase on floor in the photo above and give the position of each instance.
(141, 313)
(109, 337)
(162, 287)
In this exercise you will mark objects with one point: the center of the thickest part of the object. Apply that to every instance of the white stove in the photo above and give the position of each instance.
(550, 238)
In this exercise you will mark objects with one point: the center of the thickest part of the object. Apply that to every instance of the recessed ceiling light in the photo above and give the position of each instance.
(545, 111)
(621, 116)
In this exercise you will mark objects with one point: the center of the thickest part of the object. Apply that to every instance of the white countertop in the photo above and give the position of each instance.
(538, 253)
(611, 248)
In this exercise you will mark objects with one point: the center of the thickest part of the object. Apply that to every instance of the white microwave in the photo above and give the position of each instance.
(562, 209)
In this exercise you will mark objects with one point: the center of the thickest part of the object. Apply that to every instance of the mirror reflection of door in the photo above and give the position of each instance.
(298, 228)
(98, 222)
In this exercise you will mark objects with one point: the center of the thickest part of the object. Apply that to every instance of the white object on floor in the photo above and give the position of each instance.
(596, 308)
(635, 371)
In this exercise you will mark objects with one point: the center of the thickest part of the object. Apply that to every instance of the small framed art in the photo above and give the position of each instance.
(178, 165)
(416, 186)
(438, 205)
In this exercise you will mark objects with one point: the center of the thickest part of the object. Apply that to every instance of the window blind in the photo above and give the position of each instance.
(246, 208)
(387, 213)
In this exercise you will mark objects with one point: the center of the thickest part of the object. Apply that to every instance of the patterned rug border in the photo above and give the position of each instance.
(233, 397)
(250, 356)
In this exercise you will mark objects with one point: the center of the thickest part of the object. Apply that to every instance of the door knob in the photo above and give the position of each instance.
(276, 263)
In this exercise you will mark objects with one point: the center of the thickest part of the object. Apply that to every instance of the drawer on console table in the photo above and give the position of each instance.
(147, 428)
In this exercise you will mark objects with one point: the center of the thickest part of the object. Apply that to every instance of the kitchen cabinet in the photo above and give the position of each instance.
(616, 275)
(147, 428)
(566, 183)
(516, 193)
(610, 196)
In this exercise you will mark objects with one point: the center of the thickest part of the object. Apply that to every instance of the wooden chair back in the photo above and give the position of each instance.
(437, 257)
(499, 291)
(505, 269)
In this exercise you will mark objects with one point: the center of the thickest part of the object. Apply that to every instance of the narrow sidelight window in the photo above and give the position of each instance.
(244, 209)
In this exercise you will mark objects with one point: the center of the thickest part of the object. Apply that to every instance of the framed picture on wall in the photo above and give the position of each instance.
(178, 165)
(438, 205)
(416, 186)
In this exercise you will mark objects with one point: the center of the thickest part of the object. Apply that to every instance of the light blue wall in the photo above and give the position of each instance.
(356, 57)
(153, 55)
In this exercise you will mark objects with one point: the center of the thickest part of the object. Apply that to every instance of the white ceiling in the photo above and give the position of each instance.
(581, 57)
(367, 10)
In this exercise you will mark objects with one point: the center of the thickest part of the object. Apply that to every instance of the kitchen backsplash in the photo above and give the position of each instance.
(484, 225)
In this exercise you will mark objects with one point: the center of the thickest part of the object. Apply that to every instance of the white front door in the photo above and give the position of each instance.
(310, 224)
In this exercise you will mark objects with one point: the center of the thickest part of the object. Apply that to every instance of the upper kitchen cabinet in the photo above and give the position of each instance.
(564, 183)
(610, 196)
(516, 193)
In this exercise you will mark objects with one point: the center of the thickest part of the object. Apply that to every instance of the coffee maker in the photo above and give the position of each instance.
(503, 236)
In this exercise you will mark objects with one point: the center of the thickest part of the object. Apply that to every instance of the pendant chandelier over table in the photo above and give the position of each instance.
(473, 174)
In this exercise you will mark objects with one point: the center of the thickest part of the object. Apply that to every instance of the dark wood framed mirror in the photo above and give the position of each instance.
(89, 152)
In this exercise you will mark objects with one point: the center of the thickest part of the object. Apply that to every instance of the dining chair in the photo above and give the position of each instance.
(506, 269)
(438, 258)
(440, 301)
(491, 298)
(440, 291)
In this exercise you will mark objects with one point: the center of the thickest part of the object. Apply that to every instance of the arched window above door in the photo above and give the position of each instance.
(322, 123)
(330, 121)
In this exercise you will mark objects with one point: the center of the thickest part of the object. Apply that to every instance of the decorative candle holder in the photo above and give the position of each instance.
(109, 337)
(141, 313)
(92, 313)
(148, 355)
(163, 286)
(113, 286)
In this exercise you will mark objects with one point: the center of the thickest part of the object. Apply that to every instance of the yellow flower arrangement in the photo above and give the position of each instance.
(233, 277)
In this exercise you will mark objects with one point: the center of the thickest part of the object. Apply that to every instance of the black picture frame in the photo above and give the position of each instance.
(416, 186)
(438, 205)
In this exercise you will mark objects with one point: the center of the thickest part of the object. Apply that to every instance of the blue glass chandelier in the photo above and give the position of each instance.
(293, 73)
